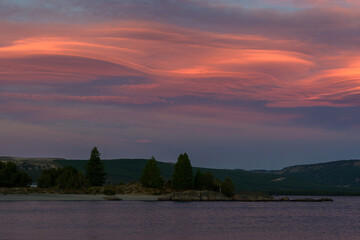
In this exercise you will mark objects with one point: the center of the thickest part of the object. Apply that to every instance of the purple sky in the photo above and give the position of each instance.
(235, 84)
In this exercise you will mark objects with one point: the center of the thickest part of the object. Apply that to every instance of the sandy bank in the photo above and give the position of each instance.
(72, 197)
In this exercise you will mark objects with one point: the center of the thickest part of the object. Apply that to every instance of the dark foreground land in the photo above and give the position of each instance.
(324, 179)
(136, 192)
(189, 196)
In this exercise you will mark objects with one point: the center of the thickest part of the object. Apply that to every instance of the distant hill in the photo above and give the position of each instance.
(33, 166)
(333, 178)
(344, 173)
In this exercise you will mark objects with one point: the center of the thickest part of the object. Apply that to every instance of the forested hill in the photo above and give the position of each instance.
(340, 177)
(344, 173)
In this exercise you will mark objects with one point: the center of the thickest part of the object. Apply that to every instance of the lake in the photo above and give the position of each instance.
(175, 220)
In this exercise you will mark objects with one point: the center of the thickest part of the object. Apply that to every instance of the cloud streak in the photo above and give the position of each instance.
(178, 61)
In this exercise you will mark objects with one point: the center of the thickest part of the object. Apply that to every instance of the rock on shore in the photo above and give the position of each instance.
(212, 196)
(112, 198)
(195, 196)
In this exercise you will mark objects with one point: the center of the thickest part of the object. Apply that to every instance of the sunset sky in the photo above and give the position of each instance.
(259, 84)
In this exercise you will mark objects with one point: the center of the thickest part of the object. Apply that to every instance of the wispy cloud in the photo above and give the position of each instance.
(209, 63)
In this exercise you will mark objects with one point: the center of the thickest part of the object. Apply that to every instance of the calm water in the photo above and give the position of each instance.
(171, 220)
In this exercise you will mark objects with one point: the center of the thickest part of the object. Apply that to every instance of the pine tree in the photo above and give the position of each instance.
(95, 169)
(151, 175)
(182, 176)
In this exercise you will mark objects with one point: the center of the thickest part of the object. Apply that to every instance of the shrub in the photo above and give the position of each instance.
(198, 180)
(228, 187)
(108, 191)
(48, 177)
(71, 178)
(207, 180)
(64, 178)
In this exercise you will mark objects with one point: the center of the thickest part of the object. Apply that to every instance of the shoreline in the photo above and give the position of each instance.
(127, 197)
(72, 197)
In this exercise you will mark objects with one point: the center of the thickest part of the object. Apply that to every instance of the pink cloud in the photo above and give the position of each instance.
(176, 61)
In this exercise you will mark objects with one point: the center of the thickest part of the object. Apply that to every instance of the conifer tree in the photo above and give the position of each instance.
(95, 169)
(182, 176)
(151, 175)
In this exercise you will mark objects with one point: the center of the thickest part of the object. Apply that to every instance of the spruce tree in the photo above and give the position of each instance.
(182, 176)
(95, 169)
(151, 175)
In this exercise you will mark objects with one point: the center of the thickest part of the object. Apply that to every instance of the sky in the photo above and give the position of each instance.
(260, 84)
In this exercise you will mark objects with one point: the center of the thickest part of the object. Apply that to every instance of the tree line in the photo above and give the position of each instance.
(64, 178)
(10, 176)
(71, 178)
(95, 175)
(183, 178)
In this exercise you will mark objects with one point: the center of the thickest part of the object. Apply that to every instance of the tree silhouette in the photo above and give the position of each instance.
(151, 175)
(10, 176)
(228, 187)
(182, 176)
(64, 178)
(95, 169)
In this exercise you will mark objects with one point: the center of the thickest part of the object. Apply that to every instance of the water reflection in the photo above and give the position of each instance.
(172, 220)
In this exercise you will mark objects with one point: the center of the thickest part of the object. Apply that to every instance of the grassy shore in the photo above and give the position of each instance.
(72, 197)
(129, 192)
(133, 188)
